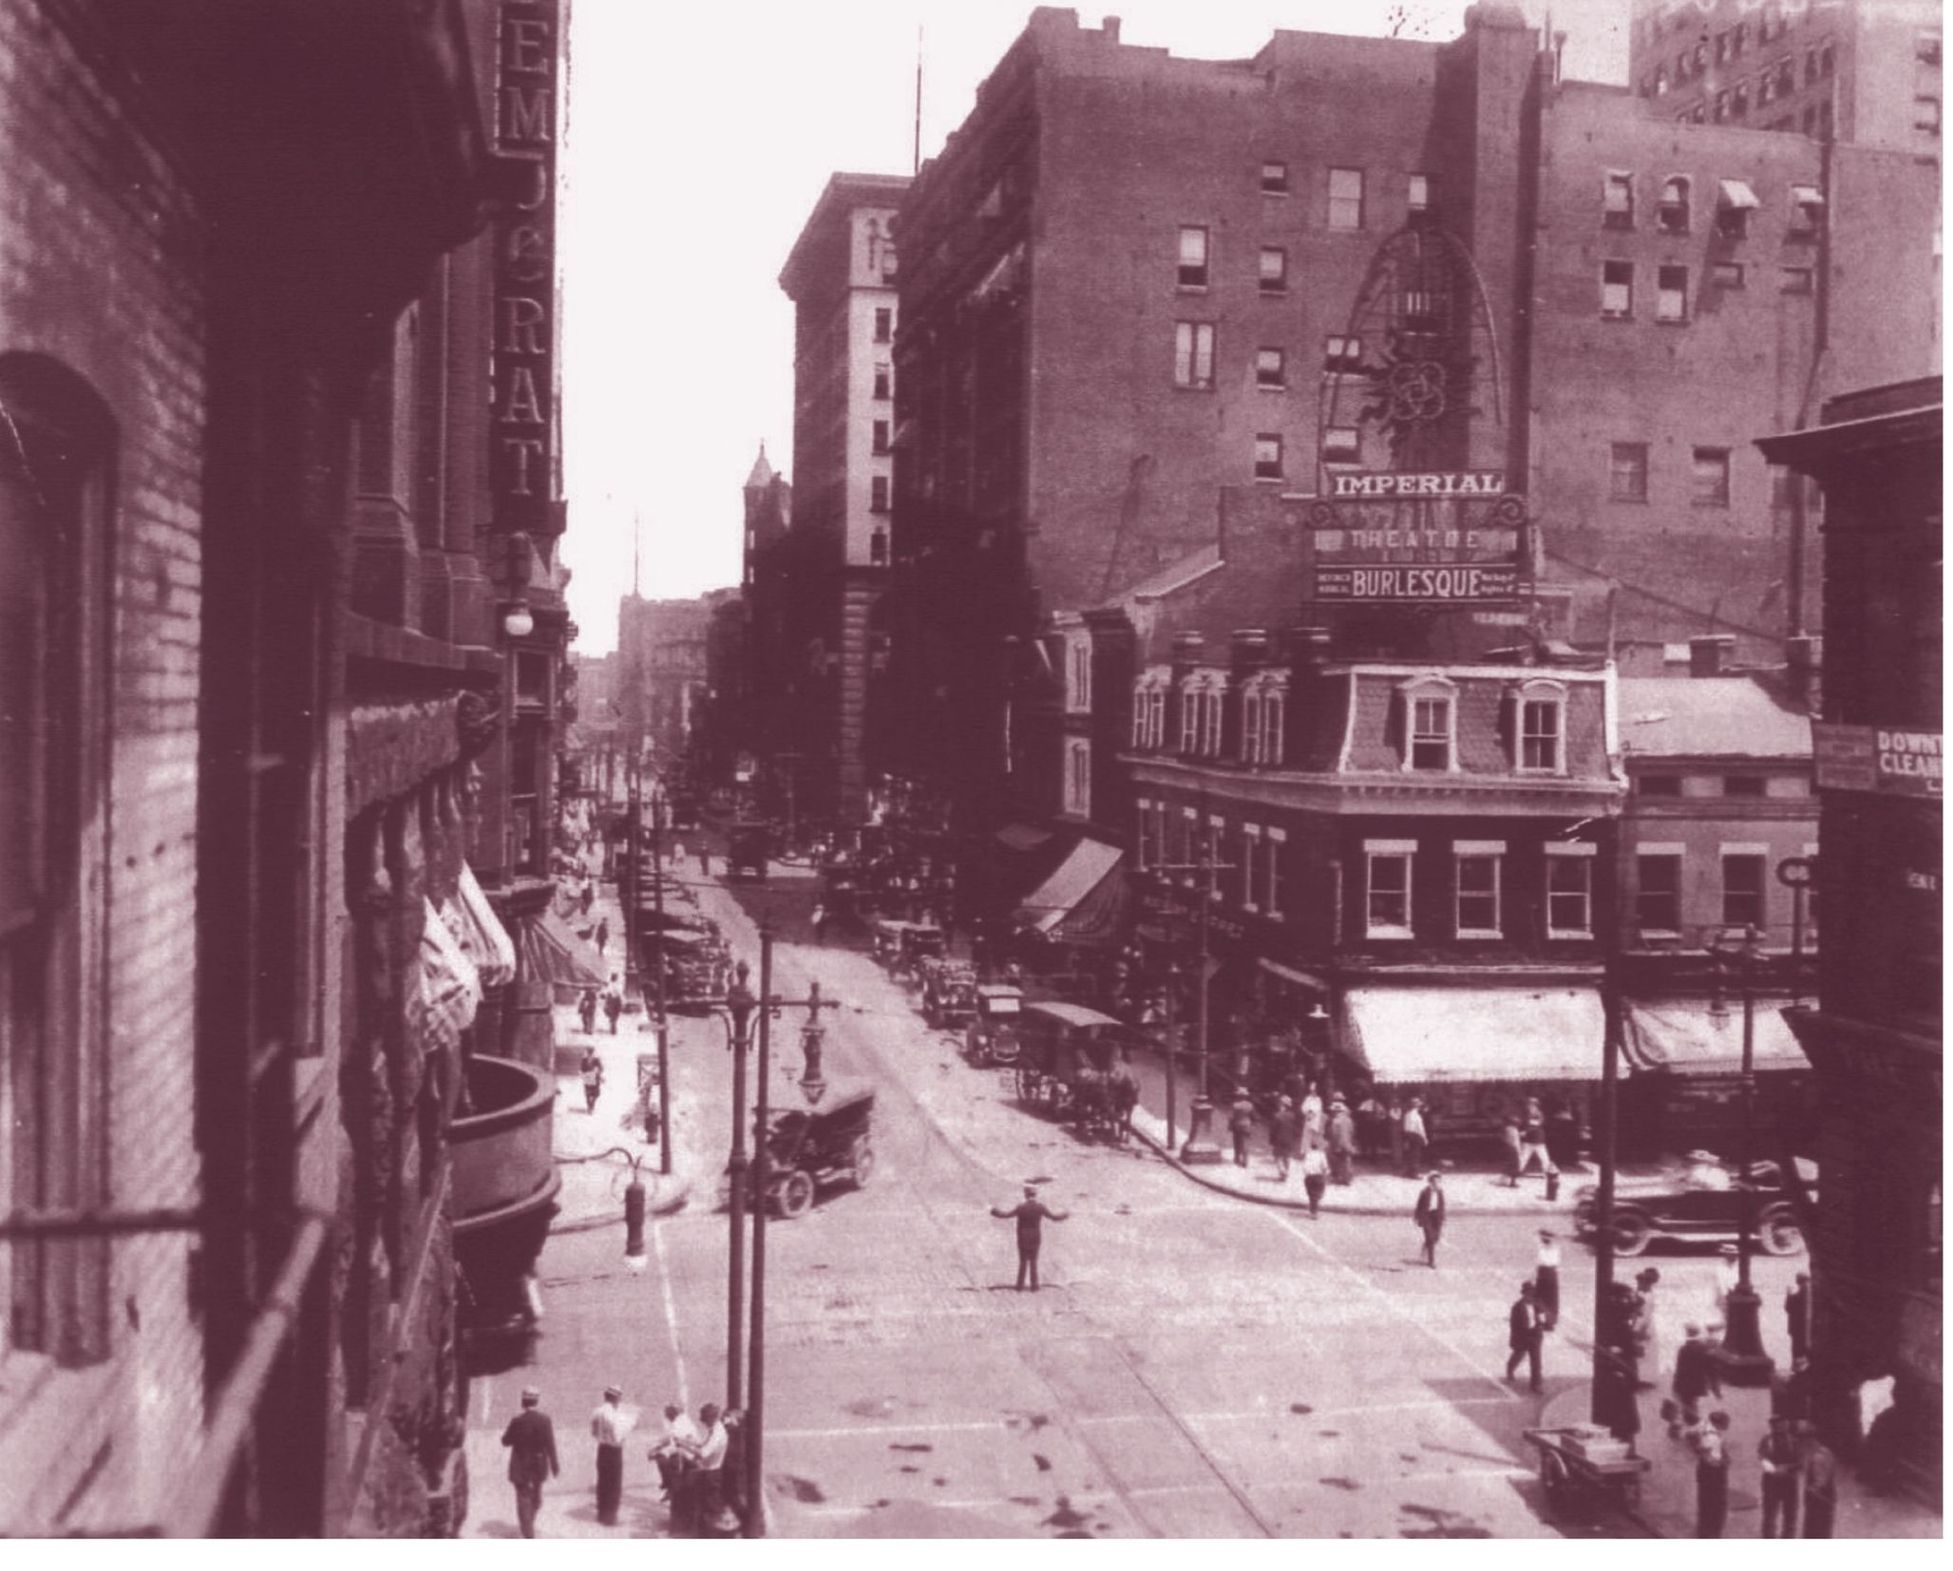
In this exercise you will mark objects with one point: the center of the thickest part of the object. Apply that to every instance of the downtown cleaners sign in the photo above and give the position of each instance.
(1452, 537)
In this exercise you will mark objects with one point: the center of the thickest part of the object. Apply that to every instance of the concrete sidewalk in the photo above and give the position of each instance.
(1369, 1193)
(1666, 1506)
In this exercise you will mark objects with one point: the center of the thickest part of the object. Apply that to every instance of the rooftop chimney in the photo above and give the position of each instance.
(1803, 656)
(1709, 655)
(1110, 27)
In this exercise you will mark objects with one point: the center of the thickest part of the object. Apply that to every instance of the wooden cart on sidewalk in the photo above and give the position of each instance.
(1583, 1468)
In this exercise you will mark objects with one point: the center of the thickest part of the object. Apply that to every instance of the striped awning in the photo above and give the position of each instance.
(1085, 901)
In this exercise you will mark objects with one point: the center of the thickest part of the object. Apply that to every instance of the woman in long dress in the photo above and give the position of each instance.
(1647, 1329)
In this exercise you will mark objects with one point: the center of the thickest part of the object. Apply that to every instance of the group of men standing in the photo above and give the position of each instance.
(692, 1459)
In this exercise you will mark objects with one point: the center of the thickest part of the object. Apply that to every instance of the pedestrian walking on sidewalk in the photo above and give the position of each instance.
(613, 1003)
(1282, 1130)
(1711, 1444)
(1342, 1142)
(586, 1010)
(1647, 1327)
(1241, 1124)
(1782, 1461)
(609, 1424)
(1820, 1472)
(1315, 1176)
(603, 935)
(705, 861)
(675, 1448)
(593, 1079)
(1030, 1214)
(1429, 1216)
(1415, 1138)
(1524, 1331)
(531, 1440)
(1509, 1138)
(1532, 1141)
(1546, 1279)
(1393, 1122)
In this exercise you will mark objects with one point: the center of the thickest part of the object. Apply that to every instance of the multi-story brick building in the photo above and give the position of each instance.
(1718, 766)
(281, 665)
(662, 678)
(1864, 71)
(841, 276)
(1132, 281)
(1876, 1035)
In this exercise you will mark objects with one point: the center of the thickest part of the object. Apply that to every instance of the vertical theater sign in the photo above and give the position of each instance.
(524, 458)
(1413, 505)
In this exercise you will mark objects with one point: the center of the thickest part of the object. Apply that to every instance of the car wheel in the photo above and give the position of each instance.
(1583, 1219)
(796, 1193)
(1779, 1231)
(1631, 1233)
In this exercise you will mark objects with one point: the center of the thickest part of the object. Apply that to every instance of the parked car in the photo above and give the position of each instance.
(1701, 1201)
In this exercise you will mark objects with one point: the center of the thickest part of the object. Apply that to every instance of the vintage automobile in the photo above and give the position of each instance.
(813, 1148)
(1699, 1202)
(1071, 1061)
(747, 847)
(991, 1037)
(902, 946)
(948, 993)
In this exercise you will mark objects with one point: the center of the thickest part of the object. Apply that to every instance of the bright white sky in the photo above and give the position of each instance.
(699, 137)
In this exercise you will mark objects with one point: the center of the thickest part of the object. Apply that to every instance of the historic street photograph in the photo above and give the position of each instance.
(948, 769)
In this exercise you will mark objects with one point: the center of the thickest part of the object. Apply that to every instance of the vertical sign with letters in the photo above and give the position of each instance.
(523, 458)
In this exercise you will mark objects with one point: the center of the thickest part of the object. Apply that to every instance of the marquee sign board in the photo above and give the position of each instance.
(1408, 537)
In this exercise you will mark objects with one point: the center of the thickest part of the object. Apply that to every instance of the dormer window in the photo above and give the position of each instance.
(1078, 674)
(1430, 728)
(1263, 700)
(1201, 697)
(1149, 708)
(1540, 740)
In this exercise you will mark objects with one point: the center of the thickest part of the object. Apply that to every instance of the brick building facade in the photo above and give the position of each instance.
(268, 697)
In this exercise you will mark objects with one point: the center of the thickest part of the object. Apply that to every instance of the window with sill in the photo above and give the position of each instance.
(1672, 212)
(1570, 890)
(1345, 199)
(1476, 878)
(1340, 353)
(1658, 891)
(1726, 275)
(1211, 702)
(1078, 777)
(1387, 888)
(1542, 729)
(1617, 200)
(878, 493)
(1806, 212)
(1658, 785)
(1616, 291)
(878, 548)
(1192, 272)
(1145, 853)
(1249, 870)
(1342, 444)
(884, 381)
(1417, 195)
(1745, 785)
(1271, 892)
(1193, 354)
(878, 439)
(1268, 456)
(56, 446)
(1078, 674)
(1709, 477)
(1429, 712)
(1671, 294)
(1743, 887)
(1274, 179)
(1271, 371)
(884, 324)
(1272, 270)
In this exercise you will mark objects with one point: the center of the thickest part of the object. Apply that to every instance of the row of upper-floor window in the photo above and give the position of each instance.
(1534, 720)
(1738, 897)
(1476, 888)
(1346, 198)
(1245, 868)
(1777, 77)
(1735, 200)
(1674, 303)
(1670, 786)
(1709, 479)
(1194, 357)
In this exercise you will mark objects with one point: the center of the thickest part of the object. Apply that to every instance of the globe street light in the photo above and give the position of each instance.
(1741, 1357)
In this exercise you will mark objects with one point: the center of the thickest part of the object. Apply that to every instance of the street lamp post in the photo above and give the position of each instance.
(1741, 1358)
(755, 1516)
(663, 1026)
(740, 1004)
(1201, 1145)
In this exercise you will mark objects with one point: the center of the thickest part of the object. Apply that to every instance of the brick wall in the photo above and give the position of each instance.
(99, 252)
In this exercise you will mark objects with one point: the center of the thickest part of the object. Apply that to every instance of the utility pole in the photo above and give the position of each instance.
(1200, 1146)
(658, 990)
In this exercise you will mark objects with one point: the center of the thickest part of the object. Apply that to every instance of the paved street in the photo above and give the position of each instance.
(1195, 1365)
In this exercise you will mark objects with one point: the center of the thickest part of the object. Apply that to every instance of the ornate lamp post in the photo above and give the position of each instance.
(1741, 1357)
(741, 1002)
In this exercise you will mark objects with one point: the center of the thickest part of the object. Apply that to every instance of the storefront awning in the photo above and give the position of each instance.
(1684, 1037)
(1084, 900)
(1426, 1035)
(557, 956)
(1289, 974)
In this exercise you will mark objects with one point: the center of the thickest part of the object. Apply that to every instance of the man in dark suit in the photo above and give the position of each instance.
(1031, 1214)
(531, 1440)
(1429, 1217)
(1797, 1317)
(1523, 1335)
